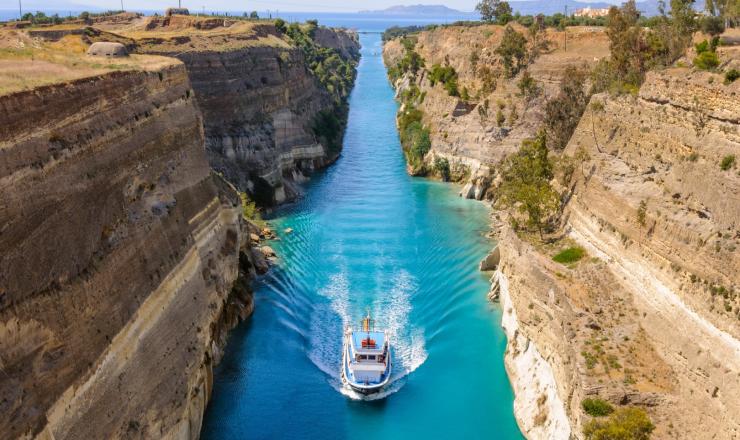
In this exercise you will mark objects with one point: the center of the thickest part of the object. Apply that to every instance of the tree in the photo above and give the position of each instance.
(627, 43)
(526, 183)
(512, 50)
(563, 112)
(727, 10)
(494, 11)
(712, 25)
(254, 15)
(682, 13)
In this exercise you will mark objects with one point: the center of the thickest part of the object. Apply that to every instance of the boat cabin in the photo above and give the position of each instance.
(368, 356)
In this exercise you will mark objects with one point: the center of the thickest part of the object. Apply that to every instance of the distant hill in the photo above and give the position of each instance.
(549, 7)
(524, 7)
(437, 10)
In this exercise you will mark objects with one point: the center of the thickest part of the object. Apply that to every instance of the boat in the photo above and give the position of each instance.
(366, 358)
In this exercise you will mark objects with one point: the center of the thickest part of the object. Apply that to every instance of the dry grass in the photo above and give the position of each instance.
(26, 64)
(232, 35)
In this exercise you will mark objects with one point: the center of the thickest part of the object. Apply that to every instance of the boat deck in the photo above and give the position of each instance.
(359, 336)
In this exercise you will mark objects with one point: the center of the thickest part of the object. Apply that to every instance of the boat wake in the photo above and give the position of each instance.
(392, 310)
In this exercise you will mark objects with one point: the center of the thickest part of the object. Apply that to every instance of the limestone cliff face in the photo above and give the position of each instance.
(650, 317)
(468, 133)
(663, 150)
(119, 253)
(259, 103)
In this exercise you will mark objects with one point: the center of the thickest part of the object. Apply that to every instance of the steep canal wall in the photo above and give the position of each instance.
(125, 259)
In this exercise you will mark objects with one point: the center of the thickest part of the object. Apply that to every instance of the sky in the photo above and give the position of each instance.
(234, 5)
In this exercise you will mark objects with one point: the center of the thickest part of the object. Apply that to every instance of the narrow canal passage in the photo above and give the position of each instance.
(368, 236)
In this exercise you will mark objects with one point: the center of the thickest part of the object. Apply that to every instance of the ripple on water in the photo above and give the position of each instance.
(366, 236)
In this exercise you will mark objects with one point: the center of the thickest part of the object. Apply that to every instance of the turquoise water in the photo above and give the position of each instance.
(368, 236)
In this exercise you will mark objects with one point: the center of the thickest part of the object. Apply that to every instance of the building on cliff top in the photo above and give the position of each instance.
(591, 12)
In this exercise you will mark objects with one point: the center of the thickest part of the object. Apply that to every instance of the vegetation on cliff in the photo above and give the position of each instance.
(335, 73)
(563, 112)
(526, 187)
(446, 76)
(636, 49)
(629, 423)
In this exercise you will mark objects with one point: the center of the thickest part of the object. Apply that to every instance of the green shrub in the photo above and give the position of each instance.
(624, 424)
(528, 87)
(563, 111)
(570, 255)
(731, 75)
(513, 51)
(597, 407)
(249, 208)
(526, 183)
(706, 60)
(421, 144)
(445, 75)
(727, 162)
(442, 168)
(280, 25)
(702, 47)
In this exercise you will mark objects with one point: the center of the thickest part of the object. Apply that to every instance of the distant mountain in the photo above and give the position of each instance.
(524, 7)
(438, 10)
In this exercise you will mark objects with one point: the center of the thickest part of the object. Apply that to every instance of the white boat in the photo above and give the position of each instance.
(366, 358)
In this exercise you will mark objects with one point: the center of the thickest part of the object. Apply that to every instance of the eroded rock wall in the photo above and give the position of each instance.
(119, 251)
(467, 132)
(259, 104)
(663, 150)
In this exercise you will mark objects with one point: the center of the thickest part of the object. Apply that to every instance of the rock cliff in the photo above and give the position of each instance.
(468, 132)
(260, 100)
(125, 259)
(650, 316)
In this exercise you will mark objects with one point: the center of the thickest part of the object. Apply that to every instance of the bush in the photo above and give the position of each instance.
(442, 168)
(526, 183)
(249, 208)
(280, 25)
(570, 255)
(702, 47)
(712, 25)
(706, 60)
(727, 162)
(624, 424)
(731, 75)
(563, 112)
(513, 51)
(447, 76)
(328, 127)
(528, 87)
(597, 407)
(411, 62)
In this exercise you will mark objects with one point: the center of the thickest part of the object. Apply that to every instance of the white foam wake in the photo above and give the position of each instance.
(392, 309)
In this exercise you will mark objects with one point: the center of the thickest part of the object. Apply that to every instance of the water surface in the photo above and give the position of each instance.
(368, 237)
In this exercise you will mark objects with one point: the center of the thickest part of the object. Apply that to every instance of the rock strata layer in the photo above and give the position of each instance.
(120, 251)
(259, 104)
(650, 316)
